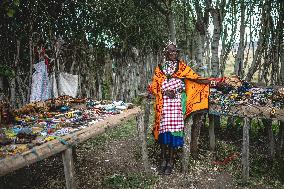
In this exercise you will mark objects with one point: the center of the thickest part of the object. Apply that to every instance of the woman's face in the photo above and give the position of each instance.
(171, 53)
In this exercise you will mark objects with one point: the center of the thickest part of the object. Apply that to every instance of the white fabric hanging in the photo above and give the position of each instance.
(67, 85)
(40, 83)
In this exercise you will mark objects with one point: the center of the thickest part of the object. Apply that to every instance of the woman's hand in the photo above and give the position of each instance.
(170, 93)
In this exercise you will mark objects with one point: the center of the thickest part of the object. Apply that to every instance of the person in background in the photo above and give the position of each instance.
(178, 91)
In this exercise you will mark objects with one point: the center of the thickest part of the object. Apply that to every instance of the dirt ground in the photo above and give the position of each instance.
(116, 163)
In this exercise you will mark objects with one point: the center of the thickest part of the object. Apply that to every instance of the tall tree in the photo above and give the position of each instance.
(239, 60)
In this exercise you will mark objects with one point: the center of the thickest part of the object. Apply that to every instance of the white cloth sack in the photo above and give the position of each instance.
(67, 85)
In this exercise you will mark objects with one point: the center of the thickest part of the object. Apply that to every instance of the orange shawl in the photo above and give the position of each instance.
(197, 94)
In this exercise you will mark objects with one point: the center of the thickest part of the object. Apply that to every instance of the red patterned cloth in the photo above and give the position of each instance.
(172, 117)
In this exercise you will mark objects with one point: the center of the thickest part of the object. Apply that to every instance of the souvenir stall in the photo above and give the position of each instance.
(248, 102)
(44, 128)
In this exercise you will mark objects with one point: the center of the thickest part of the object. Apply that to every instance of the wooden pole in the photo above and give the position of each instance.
(245, 150)
(197, 124)
(146, 115)
(281, 139)
(187, 139)
(268, 126)
(142, 137)
(68, 168)
(211, 133)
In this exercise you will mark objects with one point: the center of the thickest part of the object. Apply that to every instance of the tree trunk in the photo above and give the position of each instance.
(228, 40)
(281, 44)
(215, 72)
(200, 40)
(239, 61)
(31, 59)
(260, 47)
(197, 124)
(171, 25)
(13, 90)
(282, 64)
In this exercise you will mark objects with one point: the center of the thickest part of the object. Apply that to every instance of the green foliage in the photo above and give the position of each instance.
(123, 131)
(265, 171)
(131, 181)
(6, 71)
(10, 6)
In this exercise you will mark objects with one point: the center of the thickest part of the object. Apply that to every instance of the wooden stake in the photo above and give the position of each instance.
(195, 130)
(187, 139)
(142, 137)
(146, 116)
(245, 150)
(68, 168)
(211, 133)
(268, 125)
(281, 139)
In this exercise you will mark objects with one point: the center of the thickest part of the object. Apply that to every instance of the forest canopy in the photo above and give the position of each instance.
(108, 43)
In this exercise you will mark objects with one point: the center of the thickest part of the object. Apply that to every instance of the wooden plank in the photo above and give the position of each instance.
(211, 133)
(68, 168)
(187, 140)
(50, 148)
(142, 137)
(245, 150)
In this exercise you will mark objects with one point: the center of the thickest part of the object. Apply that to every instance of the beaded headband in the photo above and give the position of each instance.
(168, 44)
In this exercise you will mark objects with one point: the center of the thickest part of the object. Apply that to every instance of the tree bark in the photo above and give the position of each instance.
(281, 44)
(13, 86)
(201, 28)
(260, 47)
(31, 59)
(239, 61)
(197, 124)
(200, 40)
(171, 25)
(282, 64)
(227, 46)
(215, 72)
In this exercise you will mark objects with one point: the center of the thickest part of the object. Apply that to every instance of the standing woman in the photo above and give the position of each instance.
(179, 91)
